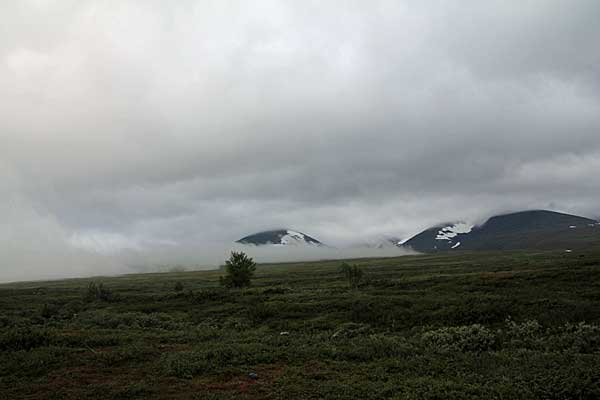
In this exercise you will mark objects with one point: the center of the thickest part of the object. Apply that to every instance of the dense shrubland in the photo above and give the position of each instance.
(467, 326)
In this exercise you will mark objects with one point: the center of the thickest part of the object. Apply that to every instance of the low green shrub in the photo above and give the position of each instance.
(470, 338)
(219, 358)
(528, 334)
(259, 313)
(48, 311)
(136, 320)
(275, 290)
(350, 330)
(210, 295)
(370, 348)
(99, 292)
(24, 338)
(580, 338)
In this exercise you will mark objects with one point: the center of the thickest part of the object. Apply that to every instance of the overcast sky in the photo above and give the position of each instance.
(131, 126)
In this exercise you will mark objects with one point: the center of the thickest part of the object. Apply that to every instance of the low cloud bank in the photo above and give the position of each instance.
(37, 247)
(211, 256)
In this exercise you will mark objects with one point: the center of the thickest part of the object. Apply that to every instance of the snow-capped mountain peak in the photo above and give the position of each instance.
(279, 237)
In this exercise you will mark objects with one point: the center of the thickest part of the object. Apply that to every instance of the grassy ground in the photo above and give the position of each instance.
(460, 326)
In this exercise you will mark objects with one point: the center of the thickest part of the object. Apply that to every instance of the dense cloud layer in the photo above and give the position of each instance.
(142, 125)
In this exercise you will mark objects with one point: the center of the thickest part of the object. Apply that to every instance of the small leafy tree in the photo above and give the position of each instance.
(239, 270)
(352, 273)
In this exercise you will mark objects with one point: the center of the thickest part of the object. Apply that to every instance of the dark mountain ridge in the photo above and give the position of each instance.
(535, 229)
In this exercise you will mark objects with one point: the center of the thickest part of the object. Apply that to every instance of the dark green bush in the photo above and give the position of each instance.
(136, 320)
(259, 313)
(352, 273)
(210, 295)
(98, 292)
(275, 290)
(48, 311)
(24, 339)
(580, 338)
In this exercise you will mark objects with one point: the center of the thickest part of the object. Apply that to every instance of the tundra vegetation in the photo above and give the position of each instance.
(517, 325)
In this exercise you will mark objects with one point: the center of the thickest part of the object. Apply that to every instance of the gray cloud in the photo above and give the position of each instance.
(137, 125)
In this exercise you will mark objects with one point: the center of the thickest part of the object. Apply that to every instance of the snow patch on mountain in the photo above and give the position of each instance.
(451, 231)
(292, 238)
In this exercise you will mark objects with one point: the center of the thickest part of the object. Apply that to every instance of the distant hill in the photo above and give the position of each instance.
(280, 237)
(537, 229)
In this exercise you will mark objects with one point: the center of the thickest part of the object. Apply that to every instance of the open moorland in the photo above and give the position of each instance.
(516, 325)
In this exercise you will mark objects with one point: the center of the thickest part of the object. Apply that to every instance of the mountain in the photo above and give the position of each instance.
(537, 229)
(279, 237)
